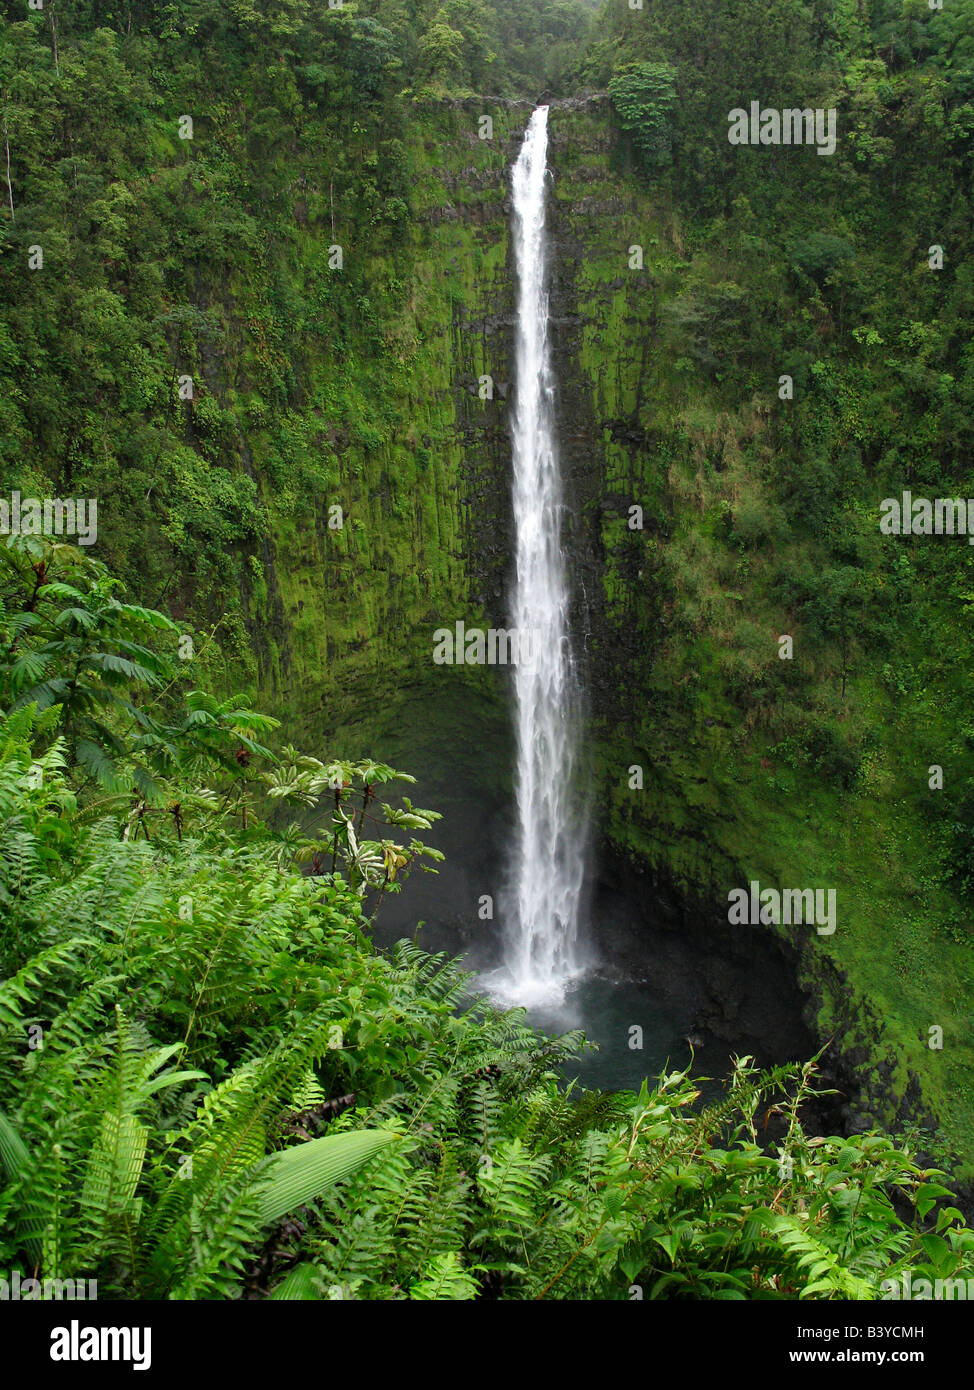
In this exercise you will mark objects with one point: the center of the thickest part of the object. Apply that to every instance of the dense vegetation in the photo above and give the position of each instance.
(806, 359)
(138, 786)
(182, 1014)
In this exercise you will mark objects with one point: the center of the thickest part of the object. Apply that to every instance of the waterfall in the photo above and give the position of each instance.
(547, 867)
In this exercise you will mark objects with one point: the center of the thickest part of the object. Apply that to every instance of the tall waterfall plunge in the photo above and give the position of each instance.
(547, 867)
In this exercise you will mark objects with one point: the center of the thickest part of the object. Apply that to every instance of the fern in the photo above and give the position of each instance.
(444, 1278)
(188, 992)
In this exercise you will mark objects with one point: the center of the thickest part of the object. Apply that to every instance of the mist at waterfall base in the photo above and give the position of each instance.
(619, 988)
(648, 964)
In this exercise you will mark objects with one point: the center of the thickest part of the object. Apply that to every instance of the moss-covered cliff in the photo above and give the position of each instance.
(804, 772)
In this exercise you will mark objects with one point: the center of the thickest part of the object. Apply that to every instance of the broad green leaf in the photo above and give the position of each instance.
(300, 1174)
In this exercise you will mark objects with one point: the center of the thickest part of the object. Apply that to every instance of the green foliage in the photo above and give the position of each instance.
(644, 95)
(786, 360)
(177, 1019)
(67, 643)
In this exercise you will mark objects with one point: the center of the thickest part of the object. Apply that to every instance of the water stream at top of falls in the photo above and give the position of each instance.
(547, 869)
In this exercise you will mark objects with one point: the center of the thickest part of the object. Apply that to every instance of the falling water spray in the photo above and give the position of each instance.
(541, 937)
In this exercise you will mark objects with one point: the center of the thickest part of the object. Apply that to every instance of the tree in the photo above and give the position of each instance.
(644, 95)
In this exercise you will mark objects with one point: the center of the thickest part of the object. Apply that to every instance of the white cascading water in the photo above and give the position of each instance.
(540, 944)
